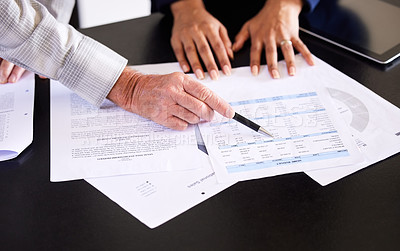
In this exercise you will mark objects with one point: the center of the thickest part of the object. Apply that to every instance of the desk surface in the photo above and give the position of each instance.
(290, 212)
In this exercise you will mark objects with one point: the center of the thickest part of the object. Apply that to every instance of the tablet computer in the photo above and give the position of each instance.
(369, 28)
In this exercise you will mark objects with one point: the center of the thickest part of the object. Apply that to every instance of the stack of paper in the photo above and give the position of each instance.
(16, 116)
(323, 123)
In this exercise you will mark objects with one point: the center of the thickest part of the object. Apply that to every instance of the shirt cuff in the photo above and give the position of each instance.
(92, 71)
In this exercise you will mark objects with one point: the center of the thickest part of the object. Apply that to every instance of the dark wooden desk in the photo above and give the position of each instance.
(290, 212)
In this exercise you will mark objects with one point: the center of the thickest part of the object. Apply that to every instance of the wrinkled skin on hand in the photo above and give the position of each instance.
(174, 100)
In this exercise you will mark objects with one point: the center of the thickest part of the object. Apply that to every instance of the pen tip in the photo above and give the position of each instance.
(265, 132)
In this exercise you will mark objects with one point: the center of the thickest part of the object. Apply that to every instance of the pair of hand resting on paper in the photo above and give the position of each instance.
(197, 32)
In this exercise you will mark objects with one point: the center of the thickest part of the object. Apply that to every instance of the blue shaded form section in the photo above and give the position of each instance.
(276, 140)
(273, 99)
(287, 161)
(271, 116)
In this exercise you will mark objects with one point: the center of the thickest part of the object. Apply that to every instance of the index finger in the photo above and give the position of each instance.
(207, 96)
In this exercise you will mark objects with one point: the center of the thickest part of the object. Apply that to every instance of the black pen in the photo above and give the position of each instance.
(239, 118)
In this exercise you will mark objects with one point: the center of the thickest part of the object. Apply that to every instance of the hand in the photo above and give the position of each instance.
(9, 73)
(174, 100)
(277, 24)
(194, 31)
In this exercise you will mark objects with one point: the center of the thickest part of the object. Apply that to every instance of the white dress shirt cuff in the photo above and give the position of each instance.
(92, 70)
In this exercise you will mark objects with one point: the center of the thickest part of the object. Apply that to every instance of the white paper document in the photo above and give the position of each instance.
(307, 121)
(308, 133)
(88, 142)
(156, 198)
(16, 116)
(373, 121)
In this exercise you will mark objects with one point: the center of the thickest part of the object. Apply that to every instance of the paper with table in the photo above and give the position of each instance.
(89, 142)
(154, 198)
(373, 121)
(16, 116)
(308, 133)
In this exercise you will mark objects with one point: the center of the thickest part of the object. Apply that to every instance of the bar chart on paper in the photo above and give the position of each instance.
(305, 136)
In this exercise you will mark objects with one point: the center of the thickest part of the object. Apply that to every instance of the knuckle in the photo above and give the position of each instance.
(3, 74)
(205, 94)
(269, 49)
(194, 119)
(272, 66)
(190, 49)
(207, 26)
(256, 47)
(189, 29)
(177, 75)
(177, 78)
(203, 49)
(219, 46)
(211, 66)
(170, 88)
(174, 40)
(196, 65)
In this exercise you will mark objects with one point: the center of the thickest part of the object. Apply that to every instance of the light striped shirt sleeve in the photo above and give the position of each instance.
(61, 10)
(33, 39)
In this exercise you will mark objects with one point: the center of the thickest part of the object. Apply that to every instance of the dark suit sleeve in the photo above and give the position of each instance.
(161, 5)
(309, 5)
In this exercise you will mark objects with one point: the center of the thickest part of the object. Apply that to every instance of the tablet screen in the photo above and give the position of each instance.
(368, 27)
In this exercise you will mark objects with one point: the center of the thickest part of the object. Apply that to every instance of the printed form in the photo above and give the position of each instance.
(154, 198)
(88, 142)
(374, 122)
(16, 116)
(297, 111)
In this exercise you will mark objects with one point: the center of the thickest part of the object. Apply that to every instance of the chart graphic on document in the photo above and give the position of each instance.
(302, 120)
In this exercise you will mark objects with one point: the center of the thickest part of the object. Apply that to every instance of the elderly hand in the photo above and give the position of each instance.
(194, 31)
(9, 73)
(174, 100)
(277, 24)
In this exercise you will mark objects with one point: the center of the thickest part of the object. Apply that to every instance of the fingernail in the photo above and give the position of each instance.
(254, 70)
(185, 68)
(231, 55)
(214, 75)
(227, 70)
(275, 74)
(199, 74)
(3, 80)
(292, 70)
(234, 47)
(12, 79)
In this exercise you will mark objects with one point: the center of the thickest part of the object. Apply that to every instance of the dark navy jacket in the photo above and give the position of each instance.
(163, 5)
(231, 13)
